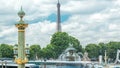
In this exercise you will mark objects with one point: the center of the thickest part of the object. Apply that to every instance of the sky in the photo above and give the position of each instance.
(90, 21)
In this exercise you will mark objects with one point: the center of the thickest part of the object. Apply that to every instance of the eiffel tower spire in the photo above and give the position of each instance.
(58, 18)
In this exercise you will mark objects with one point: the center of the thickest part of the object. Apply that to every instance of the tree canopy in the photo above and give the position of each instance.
(6, 51)
(58, 43)
(61, 40)
(35, 51)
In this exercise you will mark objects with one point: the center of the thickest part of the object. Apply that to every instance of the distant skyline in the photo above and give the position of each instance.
(90, 21)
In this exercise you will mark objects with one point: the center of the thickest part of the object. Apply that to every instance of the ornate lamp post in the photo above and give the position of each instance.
(21, 60)
(26, 53)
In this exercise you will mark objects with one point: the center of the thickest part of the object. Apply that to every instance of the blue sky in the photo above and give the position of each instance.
(90, 21)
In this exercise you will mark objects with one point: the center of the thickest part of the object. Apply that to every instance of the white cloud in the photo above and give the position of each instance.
(85, 7)
(90, 21)
(114, 27)
(40, 33)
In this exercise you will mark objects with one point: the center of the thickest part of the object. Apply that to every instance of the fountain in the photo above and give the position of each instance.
(71, 59)
(70, 54)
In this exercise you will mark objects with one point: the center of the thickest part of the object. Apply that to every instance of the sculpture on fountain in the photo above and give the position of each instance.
(85, 57)
(117, 57)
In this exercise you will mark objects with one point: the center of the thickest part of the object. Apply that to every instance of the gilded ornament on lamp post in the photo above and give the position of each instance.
(21, 59)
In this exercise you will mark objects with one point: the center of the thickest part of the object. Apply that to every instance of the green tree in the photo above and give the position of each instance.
(6, 51)
(76, 43)
(61, 41)
(112, 48)
(48, 52)
(102, 48)
(93, 50)
(35, 51)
